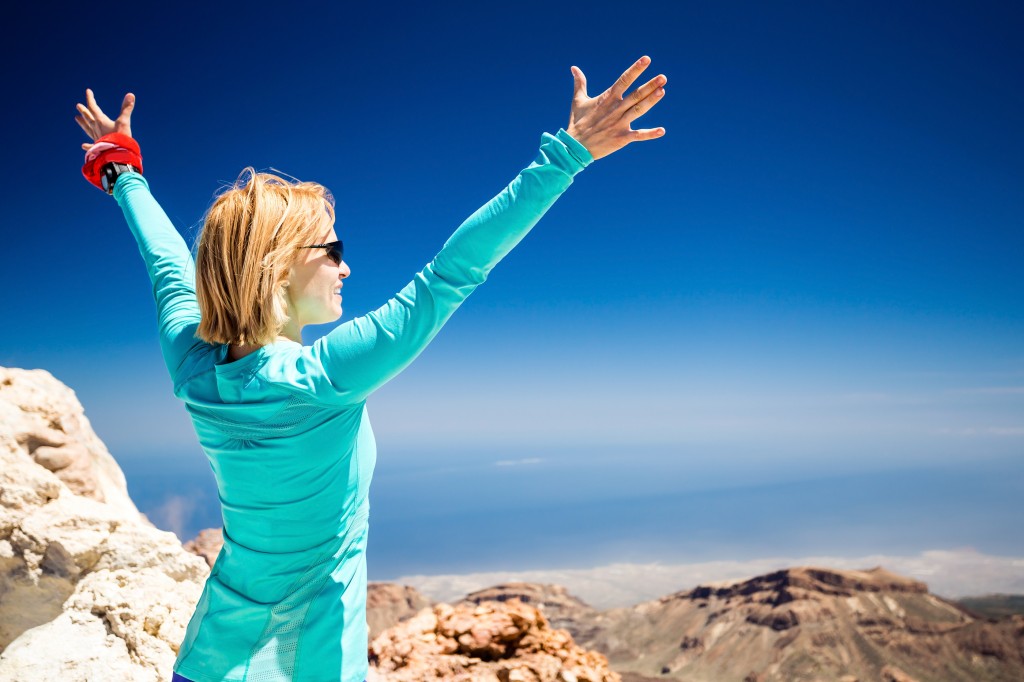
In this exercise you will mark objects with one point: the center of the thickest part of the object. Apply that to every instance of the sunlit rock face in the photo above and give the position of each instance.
(42, 419)
(207, 544)
(388, 604)
(491, 642)
(89, 589)
(809, 623)
(561, 609)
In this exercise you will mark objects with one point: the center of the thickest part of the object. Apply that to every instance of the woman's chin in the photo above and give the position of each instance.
(333, 314)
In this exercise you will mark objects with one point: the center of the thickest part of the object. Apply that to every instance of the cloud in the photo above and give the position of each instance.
(518, 462)
(949, 573)
(983, 431)
(794, 417)
(174, 514)
(990, 390)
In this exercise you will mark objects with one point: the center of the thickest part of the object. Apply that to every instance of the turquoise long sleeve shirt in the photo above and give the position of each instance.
(288, 438)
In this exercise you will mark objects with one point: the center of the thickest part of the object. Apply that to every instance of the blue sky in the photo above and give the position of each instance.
(815, 272)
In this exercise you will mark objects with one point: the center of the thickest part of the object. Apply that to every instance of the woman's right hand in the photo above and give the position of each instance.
(96, 124)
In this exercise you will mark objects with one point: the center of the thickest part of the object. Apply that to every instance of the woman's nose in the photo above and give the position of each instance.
(343, 270)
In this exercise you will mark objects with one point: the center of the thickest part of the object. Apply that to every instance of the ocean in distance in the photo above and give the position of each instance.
(465, 513)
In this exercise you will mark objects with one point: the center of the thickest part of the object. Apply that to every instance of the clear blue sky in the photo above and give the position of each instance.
(817, 269)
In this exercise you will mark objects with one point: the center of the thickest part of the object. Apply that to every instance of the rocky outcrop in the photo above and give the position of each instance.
(388, 604)
(891, 673)
(89, 589)
(42, 419)
(809, 623)
(491, 642)
(207, 544)
(793, 583)
(560, 608)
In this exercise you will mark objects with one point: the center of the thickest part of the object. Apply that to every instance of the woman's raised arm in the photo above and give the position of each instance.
(168, 259)
(361, 355)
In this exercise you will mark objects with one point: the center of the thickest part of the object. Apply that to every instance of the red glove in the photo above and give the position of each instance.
(113, 147)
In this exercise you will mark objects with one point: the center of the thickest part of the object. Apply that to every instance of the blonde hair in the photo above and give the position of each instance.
(250, 240)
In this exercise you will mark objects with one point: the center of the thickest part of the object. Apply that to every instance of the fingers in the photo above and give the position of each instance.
(630, 75)
(86, 114)
(90, 101)
(126, 108)
(96, 124)
(645, 90)
(97, 113)
(638, 109)
(647, 134)
(86, 122)
(86, 146)
(580, 82)
(654, 92)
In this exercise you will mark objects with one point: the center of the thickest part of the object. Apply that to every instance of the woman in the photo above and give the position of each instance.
(285, 425)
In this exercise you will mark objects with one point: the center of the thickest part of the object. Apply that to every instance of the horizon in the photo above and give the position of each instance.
(813, 276)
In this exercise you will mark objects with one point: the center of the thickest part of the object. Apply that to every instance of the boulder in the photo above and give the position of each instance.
(89, 589)
(490, 642)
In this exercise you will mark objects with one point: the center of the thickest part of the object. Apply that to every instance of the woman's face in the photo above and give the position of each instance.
(314, 285)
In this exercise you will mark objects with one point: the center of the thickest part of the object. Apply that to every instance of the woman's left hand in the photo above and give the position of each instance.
(601, 124)
(96, 124)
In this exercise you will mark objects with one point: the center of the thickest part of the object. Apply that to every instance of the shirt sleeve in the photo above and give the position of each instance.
(170, 266)
(361, 355)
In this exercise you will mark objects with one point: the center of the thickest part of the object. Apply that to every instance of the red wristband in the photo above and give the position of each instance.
(109, 148)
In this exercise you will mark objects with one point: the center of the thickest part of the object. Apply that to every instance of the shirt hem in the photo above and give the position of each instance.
(184, 671)
(196, 676)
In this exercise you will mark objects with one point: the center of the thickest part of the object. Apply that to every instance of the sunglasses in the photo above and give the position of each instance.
(335, 250)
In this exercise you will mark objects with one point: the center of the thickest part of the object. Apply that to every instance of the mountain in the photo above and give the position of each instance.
(807, 624)
(994, 605)
(561, 609)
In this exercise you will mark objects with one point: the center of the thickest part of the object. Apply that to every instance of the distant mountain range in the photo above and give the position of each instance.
(789, 626)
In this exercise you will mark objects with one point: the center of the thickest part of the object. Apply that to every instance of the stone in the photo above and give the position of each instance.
(90, 589)
(505, 641)
(207, 544)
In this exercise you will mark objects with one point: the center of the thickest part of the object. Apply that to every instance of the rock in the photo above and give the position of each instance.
(891, 673)
(207, 544)
(41, 419)
(494, 641)
(90, 589)
(808, 624)
(562, 610)
(388, 604)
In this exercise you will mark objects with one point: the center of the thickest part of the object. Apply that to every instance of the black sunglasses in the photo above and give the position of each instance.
(335, 250)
